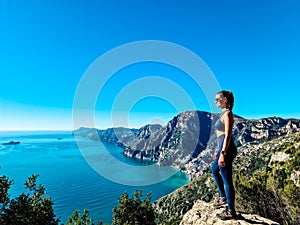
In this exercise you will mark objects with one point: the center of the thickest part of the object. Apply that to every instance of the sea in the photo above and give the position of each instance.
(68, 178)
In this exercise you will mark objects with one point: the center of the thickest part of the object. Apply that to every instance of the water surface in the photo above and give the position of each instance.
(69, 180)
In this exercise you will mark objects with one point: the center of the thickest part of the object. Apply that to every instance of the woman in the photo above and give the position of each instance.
(224, 155)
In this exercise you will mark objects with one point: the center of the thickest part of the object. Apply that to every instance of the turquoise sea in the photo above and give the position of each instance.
(69, 180)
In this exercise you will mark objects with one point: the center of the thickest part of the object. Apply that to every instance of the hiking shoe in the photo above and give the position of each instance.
(219, 202)
(227, 215)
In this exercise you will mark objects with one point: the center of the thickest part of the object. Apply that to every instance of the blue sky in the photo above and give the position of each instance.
(251, 46)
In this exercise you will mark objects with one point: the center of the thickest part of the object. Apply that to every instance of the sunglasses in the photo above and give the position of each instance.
(218, 99)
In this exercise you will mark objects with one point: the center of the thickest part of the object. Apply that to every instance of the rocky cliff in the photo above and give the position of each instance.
(188, 140)
(203, 213)
(182, 139)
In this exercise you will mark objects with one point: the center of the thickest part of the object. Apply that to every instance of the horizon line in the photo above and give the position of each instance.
(104, 128)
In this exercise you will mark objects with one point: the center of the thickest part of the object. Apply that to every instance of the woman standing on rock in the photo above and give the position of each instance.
(224, 155)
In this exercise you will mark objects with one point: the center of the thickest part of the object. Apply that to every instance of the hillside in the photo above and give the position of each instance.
(266, 178)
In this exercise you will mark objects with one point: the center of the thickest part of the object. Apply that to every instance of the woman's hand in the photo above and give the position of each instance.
(221, 161)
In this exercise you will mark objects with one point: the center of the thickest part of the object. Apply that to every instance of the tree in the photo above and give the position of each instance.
(78, 219)
(134, 210)
(33, 208)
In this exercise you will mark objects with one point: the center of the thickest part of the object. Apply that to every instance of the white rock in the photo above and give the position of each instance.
(279, 157)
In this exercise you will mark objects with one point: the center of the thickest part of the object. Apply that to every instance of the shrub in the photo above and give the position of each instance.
(134, 210)
(78, 219)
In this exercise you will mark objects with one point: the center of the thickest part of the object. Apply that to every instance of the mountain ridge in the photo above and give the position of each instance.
(187, 141)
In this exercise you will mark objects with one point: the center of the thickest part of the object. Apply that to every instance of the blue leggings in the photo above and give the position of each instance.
(223, 175)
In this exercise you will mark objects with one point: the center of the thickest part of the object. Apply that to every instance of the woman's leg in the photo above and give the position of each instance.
(226, 173)
(218, 178)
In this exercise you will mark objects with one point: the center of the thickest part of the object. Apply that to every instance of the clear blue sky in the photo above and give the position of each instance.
(251, 46)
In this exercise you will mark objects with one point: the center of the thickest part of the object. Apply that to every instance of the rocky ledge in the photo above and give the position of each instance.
(203, 213)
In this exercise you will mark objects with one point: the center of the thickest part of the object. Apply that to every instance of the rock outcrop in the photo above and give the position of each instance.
(203, 213)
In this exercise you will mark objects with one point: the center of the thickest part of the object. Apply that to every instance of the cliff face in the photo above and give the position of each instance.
(263, 129)
(182, 139)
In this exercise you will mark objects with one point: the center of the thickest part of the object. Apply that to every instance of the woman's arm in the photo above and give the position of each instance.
(228, 121)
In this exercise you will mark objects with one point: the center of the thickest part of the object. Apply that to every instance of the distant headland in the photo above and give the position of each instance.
(11, 143)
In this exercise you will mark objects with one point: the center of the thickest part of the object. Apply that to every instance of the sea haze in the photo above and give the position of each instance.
(69, 180)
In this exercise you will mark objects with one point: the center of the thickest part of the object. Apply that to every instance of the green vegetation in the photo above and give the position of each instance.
(270, 191)
(134, 210)
(78, 219)
(257, 195)
(35, 208)
(31, 208)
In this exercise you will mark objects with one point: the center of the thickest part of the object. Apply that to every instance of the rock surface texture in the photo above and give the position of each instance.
(203, 213)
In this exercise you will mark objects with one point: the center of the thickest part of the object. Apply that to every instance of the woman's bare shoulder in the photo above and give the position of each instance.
(227, 114)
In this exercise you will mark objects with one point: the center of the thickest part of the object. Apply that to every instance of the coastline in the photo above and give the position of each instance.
(188, 176)
(60, 166)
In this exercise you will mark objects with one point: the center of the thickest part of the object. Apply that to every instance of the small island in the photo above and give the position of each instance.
(12, 143)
